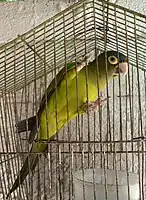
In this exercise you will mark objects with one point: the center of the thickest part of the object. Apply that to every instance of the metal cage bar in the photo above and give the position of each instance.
(111, 138)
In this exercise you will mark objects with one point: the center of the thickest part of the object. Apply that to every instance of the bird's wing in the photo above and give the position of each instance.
(23, 126)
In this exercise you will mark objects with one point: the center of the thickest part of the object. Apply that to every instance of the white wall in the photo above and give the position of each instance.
(18, 17)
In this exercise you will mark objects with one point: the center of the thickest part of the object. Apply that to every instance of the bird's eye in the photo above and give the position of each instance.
(113, 60)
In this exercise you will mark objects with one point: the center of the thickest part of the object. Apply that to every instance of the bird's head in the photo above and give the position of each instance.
(114, 62)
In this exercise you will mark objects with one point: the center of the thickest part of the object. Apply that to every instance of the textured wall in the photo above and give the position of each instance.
(138, 6)
(18, 17)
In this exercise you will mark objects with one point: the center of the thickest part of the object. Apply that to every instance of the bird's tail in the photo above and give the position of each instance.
(29, 165)
(26, 124)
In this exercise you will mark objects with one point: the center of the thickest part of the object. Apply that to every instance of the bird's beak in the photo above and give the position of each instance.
(122, 69)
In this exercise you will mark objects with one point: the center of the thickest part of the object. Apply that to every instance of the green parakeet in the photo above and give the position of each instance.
(107, 66)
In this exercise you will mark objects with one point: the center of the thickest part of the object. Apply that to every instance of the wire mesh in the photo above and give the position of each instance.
(111, 138)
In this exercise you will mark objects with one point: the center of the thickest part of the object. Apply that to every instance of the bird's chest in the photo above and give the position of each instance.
(82, 90)
(71, 96)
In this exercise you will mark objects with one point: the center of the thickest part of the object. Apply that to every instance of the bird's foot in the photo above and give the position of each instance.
(93, 105)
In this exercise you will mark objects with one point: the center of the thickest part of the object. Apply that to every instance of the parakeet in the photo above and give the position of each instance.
(56, 110)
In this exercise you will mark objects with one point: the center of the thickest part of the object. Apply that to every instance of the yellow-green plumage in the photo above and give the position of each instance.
(64, 100)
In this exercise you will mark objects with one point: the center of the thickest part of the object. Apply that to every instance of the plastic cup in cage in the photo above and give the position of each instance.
(100, 184)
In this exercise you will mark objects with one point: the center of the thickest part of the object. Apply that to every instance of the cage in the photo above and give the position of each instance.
(112, 138)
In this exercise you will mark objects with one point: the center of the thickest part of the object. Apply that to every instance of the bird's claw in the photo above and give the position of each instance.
(92, 106)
